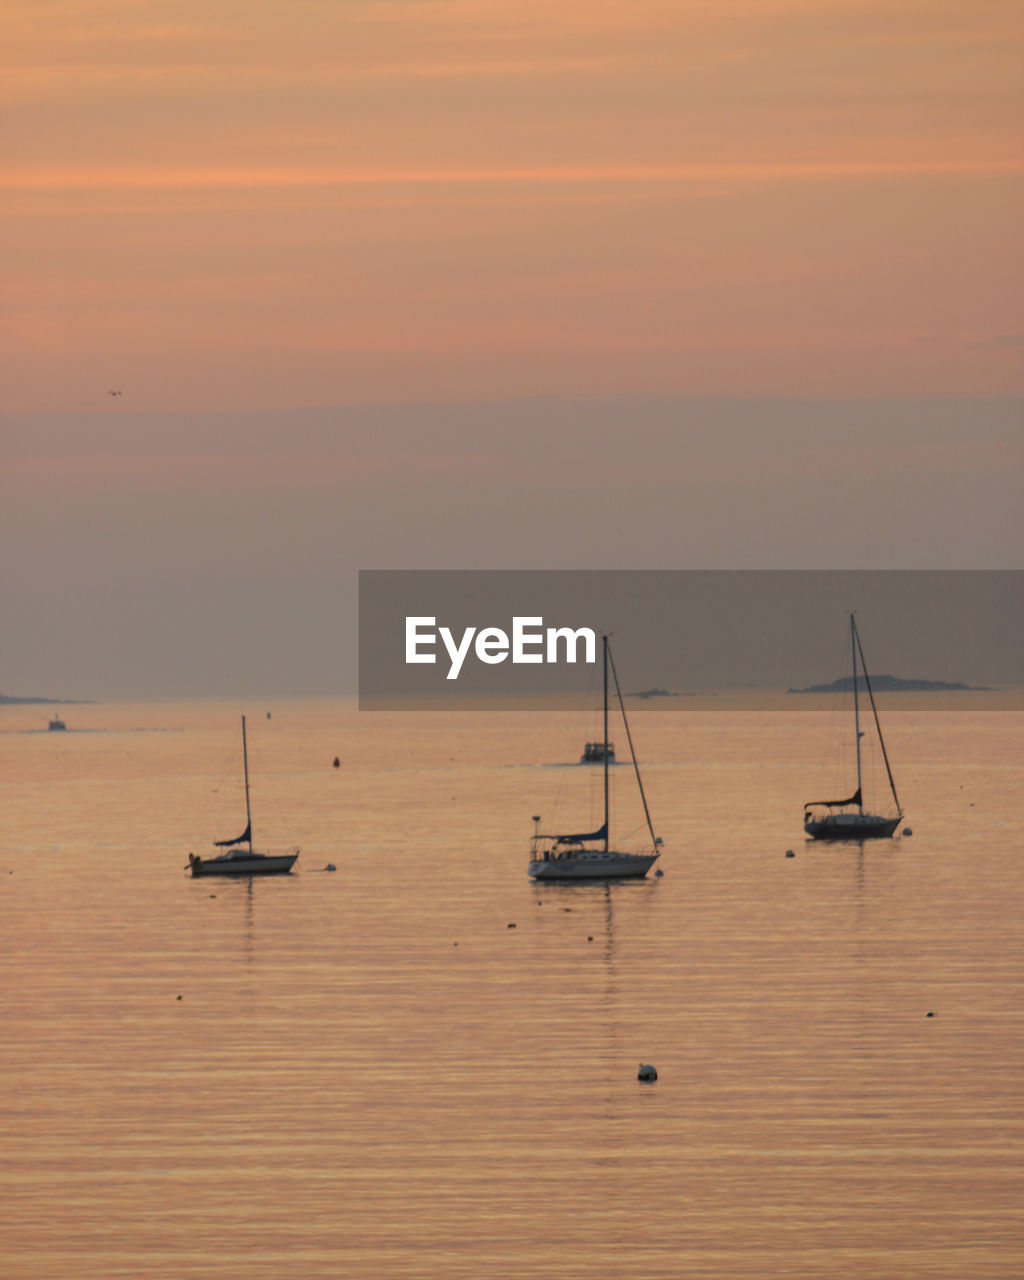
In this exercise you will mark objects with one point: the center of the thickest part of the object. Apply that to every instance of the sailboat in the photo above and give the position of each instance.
(846, 819)
(238, 861)
(589, 855)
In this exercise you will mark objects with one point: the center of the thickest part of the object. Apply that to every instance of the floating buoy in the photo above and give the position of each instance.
(590, 937)
(790, 853)
(337, 763)
(658, 874)
(512, 926)
(179, 997)
(646, 1073)
(330, 867)
(929, 1014)
(907, 831)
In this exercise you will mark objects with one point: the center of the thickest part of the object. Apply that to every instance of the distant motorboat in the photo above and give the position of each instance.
(846, 819)
(598, 752)
(57, 725)
(242, 862)
(589, 855)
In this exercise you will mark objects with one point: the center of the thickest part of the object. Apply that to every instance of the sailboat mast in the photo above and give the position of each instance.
(245, 766)
(856, 707)
(878, 726)
(632, 749)
(604, 655)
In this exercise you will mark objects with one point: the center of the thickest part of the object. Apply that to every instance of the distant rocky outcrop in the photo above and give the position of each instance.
(894, 684)
(8, 700)
(659, 693)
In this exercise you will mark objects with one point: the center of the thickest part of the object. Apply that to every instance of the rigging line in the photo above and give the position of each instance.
(874, 710)
(629, 739)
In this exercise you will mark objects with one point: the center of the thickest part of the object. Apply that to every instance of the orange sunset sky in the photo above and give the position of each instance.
(396, 275)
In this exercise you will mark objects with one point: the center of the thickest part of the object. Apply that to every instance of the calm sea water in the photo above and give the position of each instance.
(372, 1073)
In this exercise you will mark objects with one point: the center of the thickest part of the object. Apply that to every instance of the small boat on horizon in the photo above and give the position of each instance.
(847, 819)
(237, 861)
(57, 725)
(598, 752)
(589, 855)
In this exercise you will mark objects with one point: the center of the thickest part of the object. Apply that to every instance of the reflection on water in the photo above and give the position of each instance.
(370, 1074)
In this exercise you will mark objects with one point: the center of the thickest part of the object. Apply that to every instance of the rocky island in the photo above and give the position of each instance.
(894, 684)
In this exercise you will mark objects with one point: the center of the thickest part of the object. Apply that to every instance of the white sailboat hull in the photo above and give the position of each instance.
(243, 864)
(592, 864)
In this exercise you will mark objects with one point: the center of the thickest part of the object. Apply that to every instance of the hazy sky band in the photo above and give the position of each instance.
(770, 172)
(234, 205)
(379, 283)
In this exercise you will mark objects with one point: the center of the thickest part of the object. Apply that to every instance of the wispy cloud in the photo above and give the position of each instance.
(24, 179)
